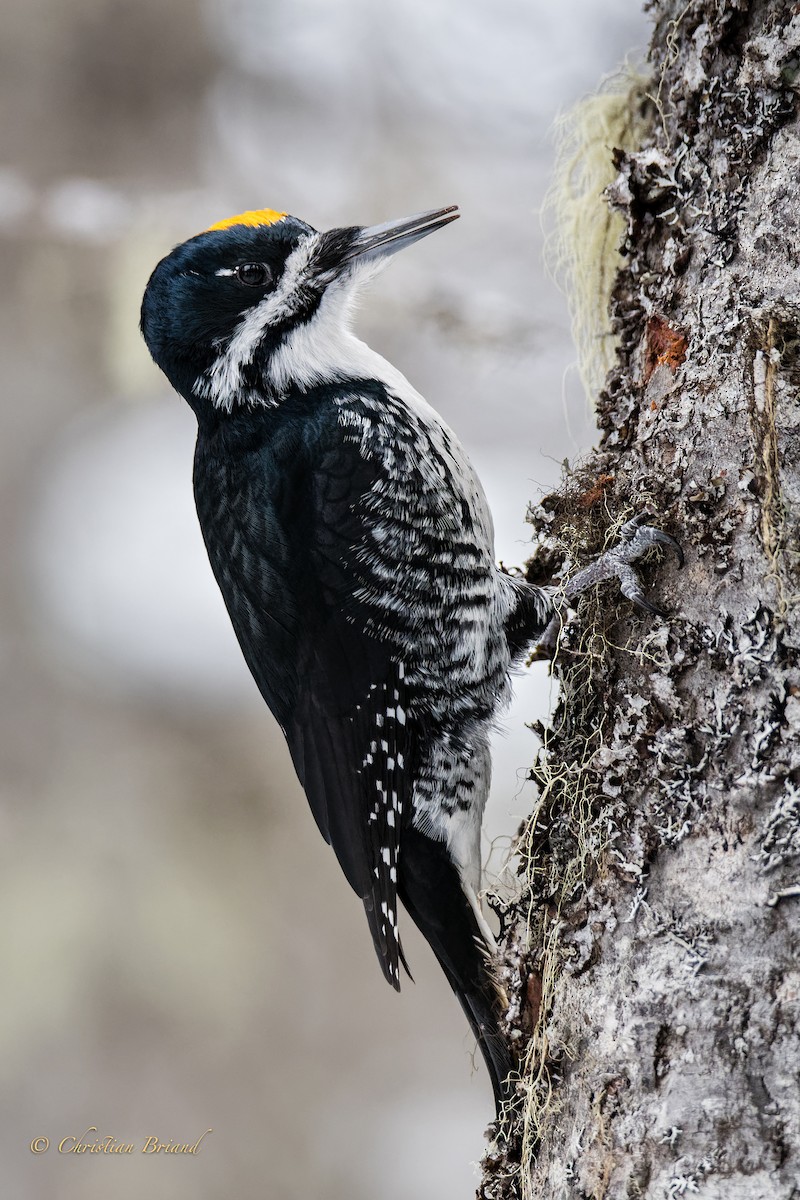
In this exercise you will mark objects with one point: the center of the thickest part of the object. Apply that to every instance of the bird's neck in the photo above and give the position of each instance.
(319, 353)
(323, 351)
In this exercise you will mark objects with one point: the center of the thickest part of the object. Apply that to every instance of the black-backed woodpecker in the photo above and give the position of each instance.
(353, 545)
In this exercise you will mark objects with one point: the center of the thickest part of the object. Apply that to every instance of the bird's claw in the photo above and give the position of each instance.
(635, 538)
(631, 588)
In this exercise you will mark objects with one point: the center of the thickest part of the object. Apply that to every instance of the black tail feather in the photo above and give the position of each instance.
(481, 1011)
(431, 891)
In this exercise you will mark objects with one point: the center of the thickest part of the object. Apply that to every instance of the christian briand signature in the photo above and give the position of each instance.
(90, 1143)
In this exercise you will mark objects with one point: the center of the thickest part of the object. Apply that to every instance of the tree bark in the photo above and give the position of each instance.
(652, 955)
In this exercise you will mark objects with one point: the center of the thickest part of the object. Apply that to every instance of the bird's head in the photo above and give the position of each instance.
(260, 301)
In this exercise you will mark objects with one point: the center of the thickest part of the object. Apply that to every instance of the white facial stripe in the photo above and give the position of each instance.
(223, 382)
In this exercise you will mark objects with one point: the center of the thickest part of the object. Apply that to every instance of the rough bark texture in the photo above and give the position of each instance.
(653, 957)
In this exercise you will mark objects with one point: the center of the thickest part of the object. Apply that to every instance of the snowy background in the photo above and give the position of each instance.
(180, 950)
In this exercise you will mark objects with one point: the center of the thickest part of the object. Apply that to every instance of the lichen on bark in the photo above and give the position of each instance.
(651, 953)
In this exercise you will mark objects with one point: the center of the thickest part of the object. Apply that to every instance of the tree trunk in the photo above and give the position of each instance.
(651, 957)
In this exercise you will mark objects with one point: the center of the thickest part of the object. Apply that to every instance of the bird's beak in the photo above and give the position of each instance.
(339, 250)
(379, 241)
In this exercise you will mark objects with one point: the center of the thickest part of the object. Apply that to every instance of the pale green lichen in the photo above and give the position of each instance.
(583, 232)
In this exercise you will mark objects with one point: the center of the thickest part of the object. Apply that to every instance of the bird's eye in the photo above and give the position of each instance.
(253, 274)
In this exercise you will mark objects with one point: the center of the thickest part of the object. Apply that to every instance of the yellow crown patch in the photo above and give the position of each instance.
(254, 218)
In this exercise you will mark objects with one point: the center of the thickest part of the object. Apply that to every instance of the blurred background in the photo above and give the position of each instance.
(180, 951)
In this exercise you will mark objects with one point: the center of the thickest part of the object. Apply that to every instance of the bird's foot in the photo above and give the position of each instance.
(635, 538)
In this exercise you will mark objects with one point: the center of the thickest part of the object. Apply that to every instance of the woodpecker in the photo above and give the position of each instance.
(353, 545)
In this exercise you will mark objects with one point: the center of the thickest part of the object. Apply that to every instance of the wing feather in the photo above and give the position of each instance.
(286, 524)
(351, 733)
